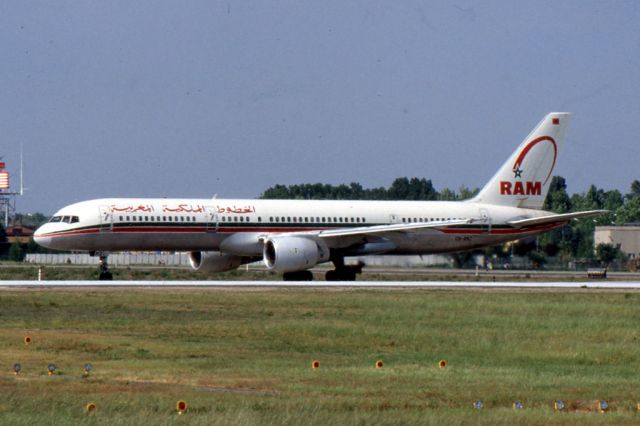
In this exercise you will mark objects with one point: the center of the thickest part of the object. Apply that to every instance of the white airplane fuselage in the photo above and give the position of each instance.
(206, 224)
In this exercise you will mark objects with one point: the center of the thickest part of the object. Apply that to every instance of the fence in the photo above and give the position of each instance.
(120, 259)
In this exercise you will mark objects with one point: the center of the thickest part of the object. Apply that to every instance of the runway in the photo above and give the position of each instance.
(325, 284)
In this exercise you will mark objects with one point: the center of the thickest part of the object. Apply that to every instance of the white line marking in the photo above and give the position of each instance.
(325, 284)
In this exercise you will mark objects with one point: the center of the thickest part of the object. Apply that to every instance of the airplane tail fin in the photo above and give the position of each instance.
(523, 181)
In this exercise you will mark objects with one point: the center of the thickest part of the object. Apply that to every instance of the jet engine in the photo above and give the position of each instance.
(214, 261)
(290, 254)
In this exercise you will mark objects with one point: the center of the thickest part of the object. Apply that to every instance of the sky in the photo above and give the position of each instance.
(198, 98)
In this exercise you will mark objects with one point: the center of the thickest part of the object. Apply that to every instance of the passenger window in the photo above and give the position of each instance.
(181, 218)
(259, 219)
(120, 218)
(352, 220)
(294, 220)
(404, 220)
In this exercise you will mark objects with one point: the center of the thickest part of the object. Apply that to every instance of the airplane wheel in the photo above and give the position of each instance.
(298, 276)
(349, 275)
(340, 275)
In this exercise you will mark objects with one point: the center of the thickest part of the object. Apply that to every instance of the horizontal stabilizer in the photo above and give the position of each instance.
(555, 218)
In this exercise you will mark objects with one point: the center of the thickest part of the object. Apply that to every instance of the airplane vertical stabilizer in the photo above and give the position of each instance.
(523, 181)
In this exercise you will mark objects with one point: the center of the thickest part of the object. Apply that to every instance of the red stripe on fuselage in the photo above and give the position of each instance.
(231, 230)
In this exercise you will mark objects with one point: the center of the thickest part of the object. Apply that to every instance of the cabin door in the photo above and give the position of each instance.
(106, 219)
(485, 221)
(212, 218)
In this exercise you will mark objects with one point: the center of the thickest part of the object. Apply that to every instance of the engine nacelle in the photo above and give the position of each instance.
(214, 261)
(290, 254)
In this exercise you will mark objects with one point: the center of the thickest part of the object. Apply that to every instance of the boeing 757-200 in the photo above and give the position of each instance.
(292, 236)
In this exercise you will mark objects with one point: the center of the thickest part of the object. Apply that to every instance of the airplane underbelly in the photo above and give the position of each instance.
(118, 241)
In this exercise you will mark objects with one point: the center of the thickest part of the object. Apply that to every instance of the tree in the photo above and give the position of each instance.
(15, 252)
(635, 188)
(447, 195)
(557, 199)
(607, 253)
(466, 193)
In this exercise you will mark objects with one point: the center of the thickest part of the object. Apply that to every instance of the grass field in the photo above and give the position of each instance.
(244, 356)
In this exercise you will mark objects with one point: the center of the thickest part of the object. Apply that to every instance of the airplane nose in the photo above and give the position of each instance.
(41, 239)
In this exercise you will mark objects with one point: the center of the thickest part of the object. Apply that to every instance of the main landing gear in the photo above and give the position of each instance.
(298, 276)
(343, 272)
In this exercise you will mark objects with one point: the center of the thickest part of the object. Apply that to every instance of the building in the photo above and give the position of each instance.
(626, 238)
(20, 233)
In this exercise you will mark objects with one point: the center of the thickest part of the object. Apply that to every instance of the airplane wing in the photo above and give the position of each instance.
(380, 230)
(555, 218)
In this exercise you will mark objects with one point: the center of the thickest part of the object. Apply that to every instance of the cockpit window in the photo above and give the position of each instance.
(65, 219)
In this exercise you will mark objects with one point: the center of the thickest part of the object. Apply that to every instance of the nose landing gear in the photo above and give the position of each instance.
(103, 268)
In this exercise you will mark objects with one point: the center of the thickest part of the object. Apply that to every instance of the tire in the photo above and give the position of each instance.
(298, 276)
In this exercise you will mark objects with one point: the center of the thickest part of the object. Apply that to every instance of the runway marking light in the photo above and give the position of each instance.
(27, 340)
(87, 369)
(181, 406)
(17, 367)
(443, 363)
(559, 405)
(379, 364)
(478, 405)
(315, 364)
(52, 369)
(518, 405)
(91, 407)
(603, 406)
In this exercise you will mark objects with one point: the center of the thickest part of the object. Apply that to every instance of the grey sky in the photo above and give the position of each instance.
(190, 99)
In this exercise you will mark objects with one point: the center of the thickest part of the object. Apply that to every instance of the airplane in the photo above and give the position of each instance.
(293, 236)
